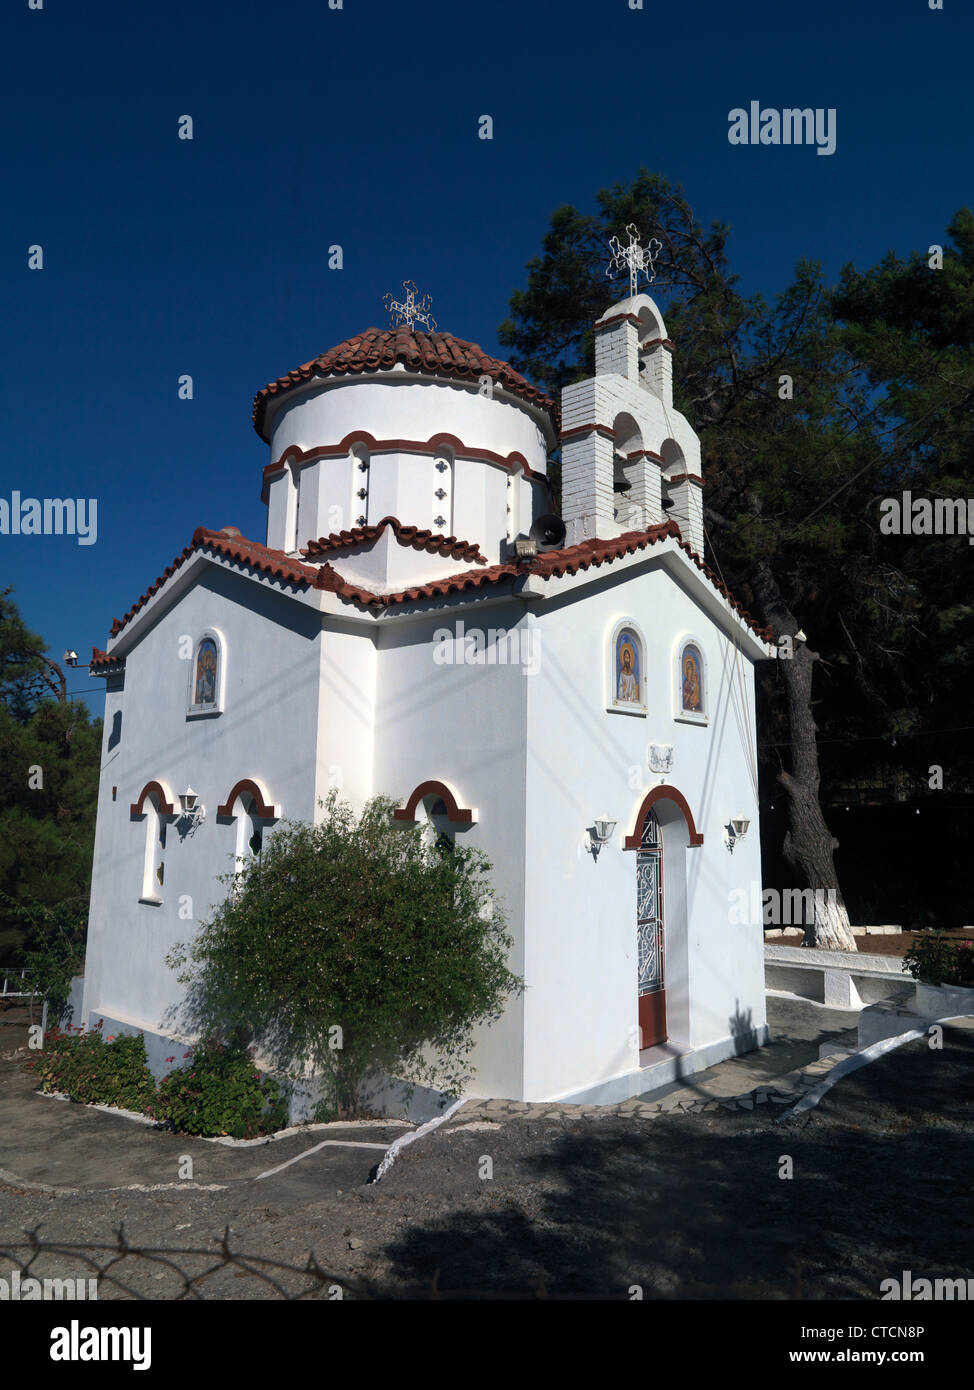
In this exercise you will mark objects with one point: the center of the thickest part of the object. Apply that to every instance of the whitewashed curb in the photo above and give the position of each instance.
(392, 1152)
(225, 1139)
(862, 1059)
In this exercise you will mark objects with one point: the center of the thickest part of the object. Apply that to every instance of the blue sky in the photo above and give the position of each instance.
(358, 126)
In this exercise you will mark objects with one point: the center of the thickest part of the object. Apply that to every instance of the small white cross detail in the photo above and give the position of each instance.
(411, 311)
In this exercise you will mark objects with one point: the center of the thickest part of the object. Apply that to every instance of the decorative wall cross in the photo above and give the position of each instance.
(635, 258)
(412, 310)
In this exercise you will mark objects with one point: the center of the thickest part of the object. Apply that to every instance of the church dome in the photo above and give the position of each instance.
(380, 349)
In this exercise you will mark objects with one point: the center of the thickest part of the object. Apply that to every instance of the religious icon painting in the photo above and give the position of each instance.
(205, 673)
(691, 683)
(627, 676)
(206, 683)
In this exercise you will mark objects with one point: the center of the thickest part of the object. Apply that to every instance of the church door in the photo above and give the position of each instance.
(649, 935)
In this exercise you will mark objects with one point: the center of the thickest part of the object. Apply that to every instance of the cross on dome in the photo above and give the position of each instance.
(635, 258)
(411, 311)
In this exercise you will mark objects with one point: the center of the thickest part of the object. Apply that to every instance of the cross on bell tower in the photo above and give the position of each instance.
(637, 259)
(411, 310)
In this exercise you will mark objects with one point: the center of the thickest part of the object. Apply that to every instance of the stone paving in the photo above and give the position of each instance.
(719, 1088)
(786, 1091)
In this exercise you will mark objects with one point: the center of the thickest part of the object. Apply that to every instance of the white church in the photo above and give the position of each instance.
(575, 697)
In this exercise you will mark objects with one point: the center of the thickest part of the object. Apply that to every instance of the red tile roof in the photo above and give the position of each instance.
(324, 576)
(101, 664)
(431, 541)
(378, 349)
(230, 543)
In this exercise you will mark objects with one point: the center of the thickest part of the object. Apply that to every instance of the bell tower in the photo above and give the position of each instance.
(629, 459)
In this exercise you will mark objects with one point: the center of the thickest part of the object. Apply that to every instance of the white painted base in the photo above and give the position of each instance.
(812, 1003)
(661, 1065)
(943, 1001)
(658, 1067)
(890, 1019)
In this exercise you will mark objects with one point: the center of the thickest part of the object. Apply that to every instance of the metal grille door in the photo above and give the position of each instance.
(649, 935)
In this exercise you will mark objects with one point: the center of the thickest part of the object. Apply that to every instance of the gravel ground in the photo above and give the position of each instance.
(683, 1206)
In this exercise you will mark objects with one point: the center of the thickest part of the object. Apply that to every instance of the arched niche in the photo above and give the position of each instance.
(427, 794)
(672, 467)
(515, 479)
(671, 809)
(691, 681)
(629, 472)
(442, 484)
(207, 675)
(651, 327)
(248, 807)
(295, 535)
(626, 675)
(155, 808)
(359, 468)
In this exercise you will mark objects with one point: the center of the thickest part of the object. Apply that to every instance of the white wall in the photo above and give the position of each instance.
(584, 762)
(267, 731)
(315, 701)
(465, 725)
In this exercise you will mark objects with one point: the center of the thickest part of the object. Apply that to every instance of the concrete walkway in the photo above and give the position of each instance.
(807, 1041)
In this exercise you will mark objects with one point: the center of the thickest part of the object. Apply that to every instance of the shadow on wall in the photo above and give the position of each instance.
(742, 1030)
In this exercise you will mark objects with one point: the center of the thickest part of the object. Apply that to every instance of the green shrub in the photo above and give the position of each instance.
(936, 960)
(350, 949)
(95, 1070)
(220, 1092)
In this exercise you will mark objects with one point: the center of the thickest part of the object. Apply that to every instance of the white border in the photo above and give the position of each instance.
(612, 705)
(194, 711)
(681, 715)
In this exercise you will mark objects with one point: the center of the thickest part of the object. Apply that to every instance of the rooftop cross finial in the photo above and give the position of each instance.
(635, 258)
(412, 310)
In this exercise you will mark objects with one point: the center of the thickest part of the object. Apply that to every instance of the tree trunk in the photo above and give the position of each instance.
(57, 681)
(809, 844)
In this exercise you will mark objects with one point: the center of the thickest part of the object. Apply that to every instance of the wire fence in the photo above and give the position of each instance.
(16, 987)
(121, 1270)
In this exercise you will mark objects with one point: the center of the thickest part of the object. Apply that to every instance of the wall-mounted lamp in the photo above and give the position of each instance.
(189, 803)
(736, 830)
(600, 833)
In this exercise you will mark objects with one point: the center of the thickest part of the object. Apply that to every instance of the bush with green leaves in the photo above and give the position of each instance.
(95, 1070)
(353, 949)
(935, 959)
(220, 1092)
(55, 952)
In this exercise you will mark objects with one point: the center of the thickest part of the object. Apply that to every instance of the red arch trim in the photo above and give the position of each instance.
(663, 793)
(261, 809)
(295, 455)
(457, 815)
(151, 789)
